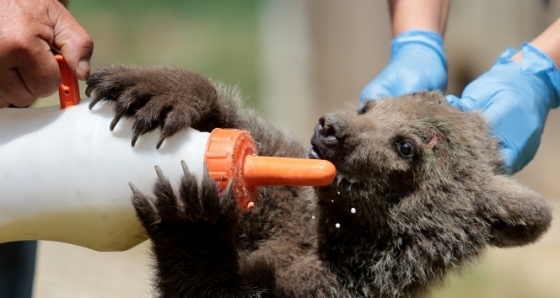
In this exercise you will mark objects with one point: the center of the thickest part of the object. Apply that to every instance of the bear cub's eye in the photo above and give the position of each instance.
(367, 106)
(405, 148)
(363, 110)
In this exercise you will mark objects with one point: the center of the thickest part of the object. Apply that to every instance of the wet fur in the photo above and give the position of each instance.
(393, 224)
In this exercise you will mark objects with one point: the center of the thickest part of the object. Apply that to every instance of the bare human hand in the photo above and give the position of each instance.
(28, 32)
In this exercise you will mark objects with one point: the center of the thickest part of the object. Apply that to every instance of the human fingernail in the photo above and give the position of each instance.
(82, 72)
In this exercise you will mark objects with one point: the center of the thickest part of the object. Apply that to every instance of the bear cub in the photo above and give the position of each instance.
(420, 191)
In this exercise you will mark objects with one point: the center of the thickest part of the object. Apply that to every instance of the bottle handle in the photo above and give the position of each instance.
(68, 90)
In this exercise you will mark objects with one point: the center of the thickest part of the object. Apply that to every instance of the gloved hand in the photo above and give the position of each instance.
(417, 63)
(515, 99)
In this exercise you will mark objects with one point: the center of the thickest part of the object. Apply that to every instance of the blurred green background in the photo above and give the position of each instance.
(338, 48)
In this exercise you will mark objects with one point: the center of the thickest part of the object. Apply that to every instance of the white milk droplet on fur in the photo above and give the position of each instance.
(337, 225)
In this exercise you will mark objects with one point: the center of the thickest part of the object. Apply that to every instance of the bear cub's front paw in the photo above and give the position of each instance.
(197, 214)
(157, 97)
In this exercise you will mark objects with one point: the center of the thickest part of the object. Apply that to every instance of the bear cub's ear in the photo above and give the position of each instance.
(516, 214)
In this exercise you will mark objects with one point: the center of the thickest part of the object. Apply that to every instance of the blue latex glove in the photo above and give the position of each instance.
(515, 99)
(417, 63)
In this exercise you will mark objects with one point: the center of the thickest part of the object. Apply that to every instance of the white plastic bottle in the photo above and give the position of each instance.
(64, 175)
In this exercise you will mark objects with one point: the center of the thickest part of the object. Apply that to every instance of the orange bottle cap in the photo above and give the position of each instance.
(231, 154)
(226, 150)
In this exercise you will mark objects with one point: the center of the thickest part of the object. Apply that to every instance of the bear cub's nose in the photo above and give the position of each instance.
(331, 128)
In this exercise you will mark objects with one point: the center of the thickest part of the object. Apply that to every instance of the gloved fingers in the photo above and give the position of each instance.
(518, 124)
(375, 90)
(417, 63)
(397, 80)
(495, 115)
(516, 158)
(510, 156)
(462, 104)
(519, 146)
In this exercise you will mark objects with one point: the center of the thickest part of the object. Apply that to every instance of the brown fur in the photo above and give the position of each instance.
(419, 192)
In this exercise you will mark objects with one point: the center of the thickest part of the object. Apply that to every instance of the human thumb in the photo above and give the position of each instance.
(74, 43)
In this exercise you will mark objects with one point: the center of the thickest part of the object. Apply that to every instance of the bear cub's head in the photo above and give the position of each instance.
(422, 183)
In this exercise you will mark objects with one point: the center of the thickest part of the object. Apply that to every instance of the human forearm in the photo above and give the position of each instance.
(428, 15)
(548, 42)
